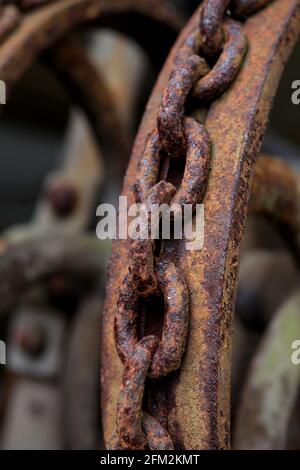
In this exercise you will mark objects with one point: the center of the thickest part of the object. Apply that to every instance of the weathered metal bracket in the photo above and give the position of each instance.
(198, 395)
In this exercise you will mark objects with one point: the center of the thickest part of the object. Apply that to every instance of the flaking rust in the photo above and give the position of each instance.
(198, 395)
(129, 410)
(210, 25)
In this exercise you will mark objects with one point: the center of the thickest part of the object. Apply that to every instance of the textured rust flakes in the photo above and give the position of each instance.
(228, 65)
(141, 265)
(148, 168)
(211, 19)
(197, 165)
(157, 436)
(171, 346)
(200, 415)
(126, 335)
(129, 407)
(169, 120)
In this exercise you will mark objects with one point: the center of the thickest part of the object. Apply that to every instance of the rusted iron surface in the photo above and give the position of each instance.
(156, 435)
(227, 66)
(272, 384)
(178, 135)
(129, 410)
(197, 165)
(142, 275)
(44, 26)
(211, 19)
(169, 120)
(198, 396)
(167, 356)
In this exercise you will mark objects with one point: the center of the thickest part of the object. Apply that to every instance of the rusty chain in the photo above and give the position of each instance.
(205, 66)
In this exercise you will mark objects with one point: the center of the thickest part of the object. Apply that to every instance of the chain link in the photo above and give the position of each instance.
(222, 43)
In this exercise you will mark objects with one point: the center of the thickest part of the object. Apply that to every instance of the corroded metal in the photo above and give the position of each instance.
(142, 275)
(42, 28)
(227, 66)
(129, 410)
(169, 120)
(168, 355)
(197, 165)
(211, 20)
(198, 395)
(157, 436)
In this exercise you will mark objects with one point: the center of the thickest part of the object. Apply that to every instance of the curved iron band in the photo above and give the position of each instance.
(199, 395)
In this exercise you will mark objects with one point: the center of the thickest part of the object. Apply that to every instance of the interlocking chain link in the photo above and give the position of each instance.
(222, 45)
